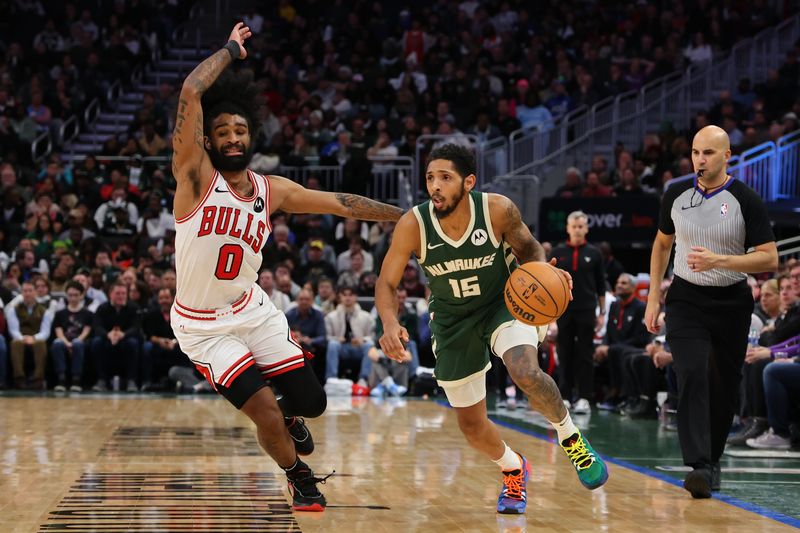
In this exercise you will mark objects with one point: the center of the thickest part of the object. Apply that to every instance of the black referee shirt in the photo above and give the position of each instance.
(727, 221)
(585, 264)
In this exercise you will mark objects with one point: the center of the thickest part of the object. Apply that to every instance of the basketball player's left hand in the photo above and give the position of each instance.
(566, 275)
(240, 34)
(701, 259)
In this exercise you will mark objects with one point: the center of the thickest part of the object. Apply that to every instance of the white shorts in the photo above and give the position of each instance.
(472, 389)
(224, 342)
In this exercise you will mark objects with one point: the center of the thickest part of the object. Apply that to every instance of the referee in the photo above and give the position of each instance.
(713, 220)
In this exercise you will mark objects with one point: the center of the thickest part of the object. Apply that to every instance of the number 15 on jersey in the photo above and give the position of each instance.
(462, 288)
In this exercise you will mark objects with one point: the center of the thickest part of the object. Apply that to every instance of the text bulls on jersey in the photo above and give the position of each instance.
(229, 221)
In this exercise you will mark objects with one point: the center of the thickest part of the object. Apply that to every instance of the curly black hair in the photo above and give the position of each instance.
(463, 158)
(234, 93)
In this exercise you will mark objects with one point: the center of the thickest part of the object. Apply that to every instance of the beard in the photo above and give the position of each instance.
(233, 163)
(448, 209)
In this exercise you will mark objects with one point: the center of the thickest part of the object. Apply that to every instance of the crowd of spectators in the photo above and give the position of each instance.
(751, 114)
(87, 247)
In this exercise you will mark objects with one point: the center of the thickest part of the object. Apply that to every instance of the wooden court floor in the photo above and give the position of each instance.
(145, 464)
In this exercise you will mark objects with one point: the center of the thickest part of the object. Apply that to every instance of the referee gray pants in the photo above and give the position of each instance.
(707, 329)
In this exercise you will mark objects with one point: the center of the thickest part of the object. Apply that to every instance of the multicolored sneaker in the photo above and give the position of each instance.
(514, 497)
(303, 443)
(591, 469)
(303, 488)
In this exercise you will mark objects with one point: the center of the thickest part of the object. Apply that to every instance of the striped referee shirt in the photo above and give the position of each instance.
(726, 221)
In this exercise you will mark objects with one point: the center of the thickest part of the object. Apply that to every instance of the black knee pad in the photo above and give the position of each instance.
(302, 394)
(243, 387)
(316, 404)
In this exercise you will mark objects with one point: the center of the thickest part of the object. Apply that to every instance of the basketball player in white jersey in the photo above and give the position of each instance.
(222, 319)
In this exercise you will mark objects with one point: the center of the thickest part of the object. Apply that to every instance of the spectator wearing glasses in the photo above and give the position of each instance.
(72, 326)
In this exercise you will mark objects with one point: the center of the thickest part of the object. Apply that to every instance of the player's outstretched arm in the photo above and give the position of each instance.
(405, 241)
(190, 163)
(291, 197)
(507, 220)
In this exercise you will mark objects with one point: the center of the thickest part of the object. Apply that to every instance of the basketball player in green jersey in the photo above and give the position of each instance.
(466, 242)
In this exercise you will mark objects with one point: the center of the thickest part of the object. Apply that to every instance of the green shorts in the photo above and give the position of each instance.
(462, 344)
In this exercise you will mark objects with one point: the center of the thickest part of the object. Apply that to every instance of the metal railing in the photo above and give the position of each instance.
(770, 168)
(523, 190)
(114, 92)
(785, 250)
(68, 130)
(391, 176)
(629, 116)
(388, 177)
(491, 157)
(788, 166)
(493, 160)
(91, 113)
(41, 147)
(329, 176)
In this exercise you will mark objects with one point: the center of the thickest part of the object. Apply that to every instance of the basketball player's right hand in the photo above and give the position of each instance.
(567, 275)
(651, 316)
(393, 342)
(240, 34)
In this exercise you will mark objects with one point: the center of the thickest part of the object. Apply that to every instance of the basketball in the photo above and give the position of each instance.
(536, 293)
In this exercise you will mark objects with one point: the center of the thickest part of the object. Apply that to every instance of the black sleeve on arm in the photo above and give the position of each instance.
(100, 326)
(132, 321)
(600, 274)
(59, 319)
(758, 228)
(665, 222)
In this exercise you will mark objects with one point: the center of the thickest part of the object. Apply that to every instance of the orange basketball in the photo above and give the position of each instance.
(536, 293)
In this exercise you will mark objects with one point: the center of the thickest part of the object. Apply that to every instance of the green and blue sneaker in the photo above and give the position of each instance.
(592, 471)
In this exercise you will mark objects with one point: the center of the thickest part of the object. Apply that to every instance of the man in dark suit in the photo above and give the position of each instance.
(626, 336)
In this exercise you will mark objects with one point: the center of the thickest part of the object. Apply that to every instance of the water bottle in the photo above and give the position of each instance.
(115, 384)
(752, 339)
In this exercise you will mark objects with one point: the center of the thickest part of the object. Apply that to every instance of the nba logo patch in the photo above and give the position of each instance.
(723, 210)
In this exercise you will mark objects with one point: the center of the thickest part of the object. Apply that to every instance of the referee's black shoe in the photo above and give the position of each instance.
(698, 482)
(303, 443)
(716, 483)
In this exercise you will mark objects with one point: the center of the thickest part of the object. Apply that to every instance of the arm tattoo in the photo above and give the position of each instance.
(180, 120)
(519, 237)
(198, 132)
(366, 209)
(542, 391)
(204, 74)
(174, 163)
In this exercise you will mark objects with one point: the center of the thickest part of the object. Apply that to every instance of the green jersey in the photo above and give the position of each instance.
(465, 275)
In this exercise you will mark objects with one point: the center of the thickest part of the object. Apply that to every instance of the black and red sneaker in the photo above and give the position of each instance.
(303, 443)
(303, 488)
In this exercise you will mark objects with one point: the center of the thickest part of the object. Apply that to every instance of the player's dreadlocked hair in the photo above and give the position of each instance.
(234, 93)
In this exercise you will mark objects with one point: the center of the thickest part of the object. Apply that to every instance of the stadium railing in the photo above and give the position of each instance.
(770, 168)
(491, 157)
(789, 248)
(627, 117)
(524, 190)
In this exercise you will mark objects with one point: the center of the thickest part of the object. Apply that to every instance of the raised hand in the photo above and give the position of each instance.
(240, 34)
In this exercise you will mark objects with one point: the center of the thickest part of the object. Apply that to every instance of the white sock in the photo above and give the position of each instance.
(565, 428)
(510, 460)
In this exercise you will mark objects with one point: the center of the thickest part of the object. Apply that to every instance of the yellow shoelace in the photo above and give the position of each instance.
(580, 456)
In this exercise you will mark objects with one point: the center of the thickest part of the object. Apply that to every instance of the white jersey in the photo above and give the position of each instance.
(218, 245)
